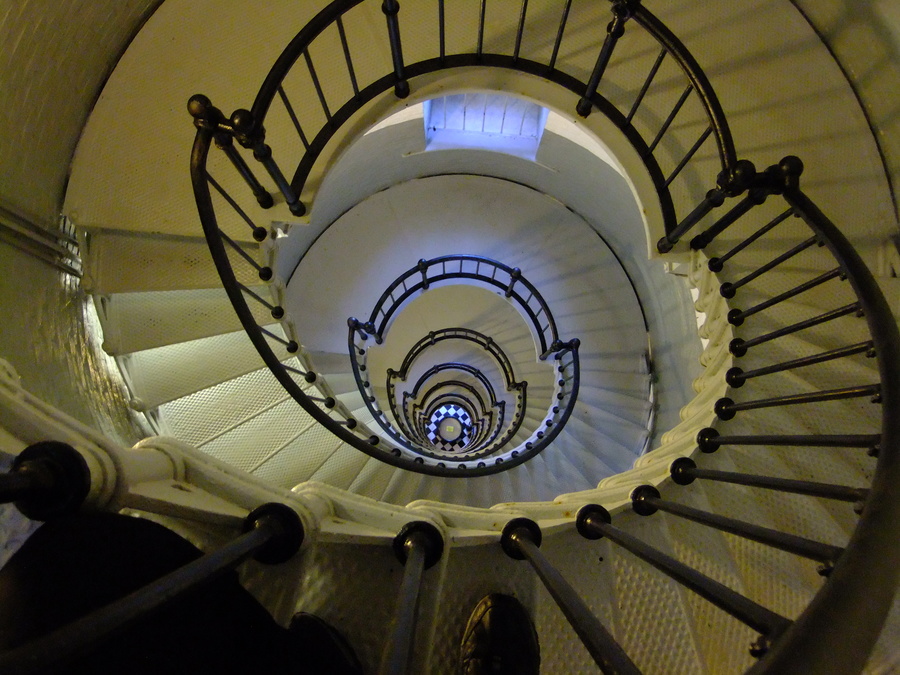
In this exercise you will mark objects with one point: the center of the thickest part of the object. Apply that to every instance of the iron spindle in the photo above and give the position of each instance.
(521, 540)
(726, 408)
(346, 49)
(309, 376)
(293, 116)
(739, 346)
(265, 273)
(713, 198)
(259, 233)
(709, 440)
(645, 87)
(687, 158)
(479, 49)
(513, 277)
(225, 143)
(646, 501)
(272, 534)
(754, 197)
(594, 522)
(289, 345)
(735, 377)
(263, 154)
(716, 264)
(559, 35)
(671, 118)
(418, 546)
(736, 317)
(520, 30)
(728, 289)
(316, 84)
(684, 471)
(277, 312)
(615, 30)
(441, 31)
(391, 8)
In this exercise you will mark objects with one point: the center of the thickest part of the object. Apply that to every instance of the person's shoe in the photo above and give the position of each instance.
(322, 648)
(500, 639)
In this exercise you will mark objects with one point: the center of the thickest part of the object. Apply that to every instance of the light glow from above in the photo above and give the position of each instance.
(496, 122)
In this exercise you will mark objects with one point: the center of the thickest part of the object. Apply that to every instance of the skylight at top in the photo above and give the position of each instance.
(484, 121)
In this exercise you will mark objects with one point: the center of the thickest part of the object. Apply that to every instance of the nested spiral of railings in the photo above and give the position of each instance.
(834, 634)
(406, 429)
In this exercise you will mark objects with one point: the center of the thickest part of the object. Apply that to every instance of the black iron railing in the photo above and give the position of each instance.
(835, 633)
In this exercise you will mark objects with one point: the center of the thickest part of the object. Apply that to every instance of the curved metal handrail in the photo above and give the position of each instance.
(809, 644)
(836, 615)
(418, 349)
(670, 45)
(459, 333)
(467, 267)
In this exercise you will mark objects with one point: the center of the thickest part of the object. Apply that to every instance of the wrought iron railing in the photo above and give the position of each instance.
(836, 631)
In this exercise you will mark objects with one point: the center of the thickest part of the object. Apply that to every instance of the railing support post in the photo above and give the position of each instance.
(252, 136)
(391, 8)
(622, 10)
(418, 546)
(521, 540)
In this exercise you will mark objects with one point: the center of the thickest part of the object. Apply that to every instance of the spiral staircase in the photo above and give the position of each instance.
(235, 346)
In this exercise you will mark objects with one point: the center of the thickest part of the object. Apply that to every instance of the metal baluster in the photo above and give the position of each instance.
(690, 153)
(731, 184)
(253, 137)
(646, 500)
(347, 58)
(441, 31)
(265, 273)
(735, 377)
(594, 522)
(646, 86)
(559, 35)
(225, 143)
(317, 84)
(728, 289)
(520, 30)
(277, 312)
(513, 277)
(736, 317)
(521, 540)
(754, 197)
(739, 346)
(293, 116)
(716, 264)
(290, 346)
(621, 13)
(418, 546)
(480, 47)
(391, 8)
(684, 471)
(709, 440)
(668, 121)
(259, 233)
(726, 408)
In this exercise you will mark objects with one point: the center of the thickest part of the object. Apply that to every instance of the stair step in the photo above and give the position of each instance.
(247, 445)
(198, 417)
(134, 322)
(164, 374)
(131, 262)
